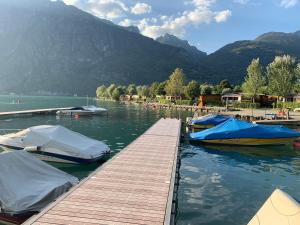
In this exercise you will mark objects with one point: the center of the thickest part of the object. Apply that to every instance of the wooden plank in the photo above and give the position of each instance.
(134, 187)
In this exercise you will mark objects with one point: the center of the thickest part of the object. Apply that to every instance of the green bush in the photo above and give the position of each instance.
(285, 105)
(184, 102)
(164, 101)
(246, 105)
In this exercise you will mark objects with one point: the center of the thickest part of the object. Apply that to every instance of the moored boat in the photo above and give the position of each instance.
(95, 110)
(56, 144)
(279, 209)
(237, 132)
(30, 186)
(208, 121)
(75, 111)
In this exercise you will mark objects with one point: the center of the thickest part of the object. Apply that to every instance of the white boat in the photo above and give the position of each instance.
(30, 186)
(56, 144)
(95, 110)
(279, 209)
(75, 111)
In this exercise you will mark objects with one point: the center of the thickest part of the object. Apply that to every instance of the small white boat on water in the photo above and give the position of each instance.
(82, 111)
(56, 144)
(28, 185)
(95, 110)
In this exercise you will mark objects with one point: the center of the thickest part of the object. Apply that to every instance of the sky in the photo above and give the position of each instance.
(206, 24)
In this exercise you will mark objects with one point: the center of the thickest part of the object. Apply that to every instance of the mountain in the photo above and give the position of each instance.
(231, 61)
(49, 47)
(172, 40)
(133, 29)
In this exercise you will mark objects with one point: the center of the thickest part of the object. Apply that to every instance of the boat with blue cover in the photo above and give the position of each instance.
(237, 132)
(208, 121)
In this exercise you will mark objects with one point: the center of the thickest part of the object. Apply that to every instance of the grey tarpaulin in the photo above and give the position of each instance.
(58, 140)
(28, 184)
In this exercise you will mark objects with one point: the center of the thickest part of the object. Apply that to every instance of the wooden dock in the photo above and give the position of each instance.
(31, 112)
(137, 186)
(291, 122)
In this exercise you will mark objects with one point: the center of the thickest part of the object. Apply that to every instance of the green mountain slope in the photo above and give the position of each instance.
(231, 61)
(51, 47)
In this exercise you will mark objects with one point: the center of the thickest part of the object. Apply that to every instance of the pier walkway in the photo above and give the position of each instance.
(135, 187)
(32, 112)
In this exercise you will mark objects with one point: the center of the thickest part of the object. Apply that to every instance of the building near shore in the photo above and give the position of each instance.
(204, 100)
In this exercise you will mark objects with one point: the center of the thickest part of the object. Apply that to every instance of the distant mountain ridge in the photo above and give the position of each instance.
(231, 61)
(172, 40)
(49, 47)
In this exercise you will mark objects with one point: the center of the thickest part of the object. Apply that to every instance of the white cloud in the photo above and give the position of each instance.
(201, 13)
(222, 16)
(70, 2)
(288, 3)
(141, 8)
(108, 9)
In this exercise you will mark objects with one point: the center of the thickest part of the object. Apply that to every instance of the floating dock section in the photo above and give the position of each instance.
(31, 112)
(137, 186)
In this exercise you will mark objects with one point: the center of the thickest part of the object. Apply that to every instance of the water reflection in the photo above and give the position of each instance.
(227, 184)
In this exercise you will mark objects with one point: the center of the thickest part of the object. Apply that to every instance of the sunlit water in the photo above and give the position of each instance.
(218, 185)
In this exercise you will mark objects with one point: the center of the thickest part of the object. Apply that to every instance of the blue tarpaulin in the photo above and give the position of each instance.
(213, 119)
(234, 128)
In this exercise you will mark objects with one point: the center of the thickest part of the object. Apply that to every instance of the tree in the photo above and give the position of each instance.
(226, 91)
(145, 91)
(237, 89)
(116, 94)
(282, 74)
(175, 83)
(205, 89)
(139, 91)
(153, 90)
(192, 90)
(101, 91)
(131, 90)
(110, 90)
(224, 84)
(254, 81)
(161, 88)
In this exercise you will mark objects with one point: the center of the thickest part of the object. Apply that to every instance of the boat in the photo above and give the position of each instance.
(75, 111)
(56, 144)
(208, 121)
(28, 185)
(95, 110)
(279, 209)
(237, 132)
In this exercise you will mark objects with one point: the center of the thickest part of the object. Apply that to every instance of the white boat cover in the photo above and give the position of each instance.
(279, 209)
(27, 184)
(58, 140)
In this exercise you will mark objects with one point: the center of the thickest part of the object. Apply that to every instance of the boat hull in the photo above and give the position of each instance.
(52, 157)
(250, 141)
(73, 113)
(202, 126)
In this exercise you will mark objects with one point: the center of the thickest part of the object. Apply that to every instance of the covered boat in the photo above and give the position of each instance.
(237, 132)
(57, 144)
(75, 111)
(95, 110)
(208, 121)
(28, 185)
(279, 209)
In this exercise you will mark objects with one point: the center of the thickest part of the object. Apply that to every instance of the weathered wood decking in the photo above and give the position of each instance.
(134, 187)
(31, 112)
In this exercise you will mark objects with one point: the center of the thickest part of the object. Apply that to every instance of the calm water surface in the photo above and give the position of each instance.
(218, 186)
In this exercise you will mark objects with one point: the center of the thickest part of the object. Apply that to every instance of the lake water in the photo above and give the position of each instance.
(218, 185)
